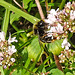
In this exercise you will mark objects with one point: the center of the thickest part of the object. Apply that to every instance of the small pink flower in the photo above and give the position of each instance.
(53, 12)
(12, 59)
(1, 54)
(68, 5)
(1, 58)
(2, 36)
(65, 44)
(11, 49)
(10, 40)
(60, 28)
(51, 18)
(5, 66)
(57, 29)
(72, 14)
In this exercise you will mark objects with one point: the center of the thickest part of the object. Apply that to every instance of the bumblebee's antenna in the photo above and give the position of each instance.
(40, 9)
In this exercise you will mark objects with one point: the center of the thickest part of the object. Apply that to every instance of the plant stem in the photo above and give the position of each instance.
(62, 4)
(46, 3)
(6, 21)
(40, 9)
(57, 62)
(20, 6)
(50, 6)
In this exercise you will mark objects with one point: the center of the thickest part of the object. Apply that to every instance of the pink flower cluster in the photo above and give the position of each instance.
(67, 56)
(7, 50)
(61, 21)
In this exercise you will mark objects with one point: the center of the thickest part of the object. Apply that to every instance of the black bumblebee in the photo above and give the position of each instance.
(41, 29)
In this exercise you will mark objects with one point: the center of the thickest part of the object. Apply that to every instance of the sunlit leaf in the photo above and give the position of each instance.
(56, 72)
(25, 2)
(55, 47)
(14, 17)
(34, 49)
(68, 73)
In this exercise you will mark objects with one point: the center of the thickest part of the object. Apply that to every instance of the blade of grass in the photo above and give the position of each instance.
(2, 72)
(27, 64)
(19, 12)
(70, 0)
(6, 21)
(13, 25)
(25, 44)
(62, 4)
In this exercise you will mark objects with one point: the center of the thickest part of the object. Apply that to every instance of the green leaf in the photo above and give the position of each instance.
(68, 73)
(55, 47)
(70, 0)
(25, 2)
(25, 54)
(2, 72)
(56, 72)
(30, 6)
(6, 21)
(34, 49)
(14, 17)
(17, 72)
(19, 12)
(74, 72)
(40, 68)
(73, 65)
(62, 4)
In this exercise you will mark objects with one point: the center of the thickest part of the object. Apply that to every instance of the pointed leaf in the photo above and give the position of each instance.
(34, 49)
(56, 72)
(55, 47)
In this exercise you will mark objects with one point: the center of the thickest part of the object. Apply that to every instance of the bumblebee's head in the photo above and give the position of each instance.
(39, 27)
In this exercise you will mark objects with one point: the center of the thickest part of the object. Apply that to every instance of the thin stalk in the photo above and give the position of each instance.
(6, 21)
(20, 6)
(39, 9)
(46, 3)
(2, 72)
(51, 2)
(57, 62)
(62, 4)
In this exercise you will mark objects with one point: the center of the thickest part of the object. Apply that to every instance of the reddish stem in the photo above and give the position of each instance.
(57, 62)
(46, 3)
(40, 9)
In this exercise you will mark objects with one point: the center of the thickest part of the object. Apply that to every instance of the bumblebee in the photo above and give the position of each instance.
(41, 29)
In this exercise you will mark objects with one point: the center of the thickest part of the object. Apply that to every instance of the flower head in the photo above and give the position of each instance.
(10, 40)
(12, 59)
(2, 36)
(5, 66)
(6, 50)
(11, 49)
(72, 14)
(65, 44)
(68, 5)
(1, 54)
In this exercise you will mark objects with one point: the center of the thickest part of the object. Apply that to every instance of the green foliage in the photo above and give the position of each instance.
(34, 49)
(56, 72)
(55, 47)
(26, 3)
(68, 73)
(19, 12)
(17, 72)
(14, 17)
(6, 21)
(2, 72)
(32, 57)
